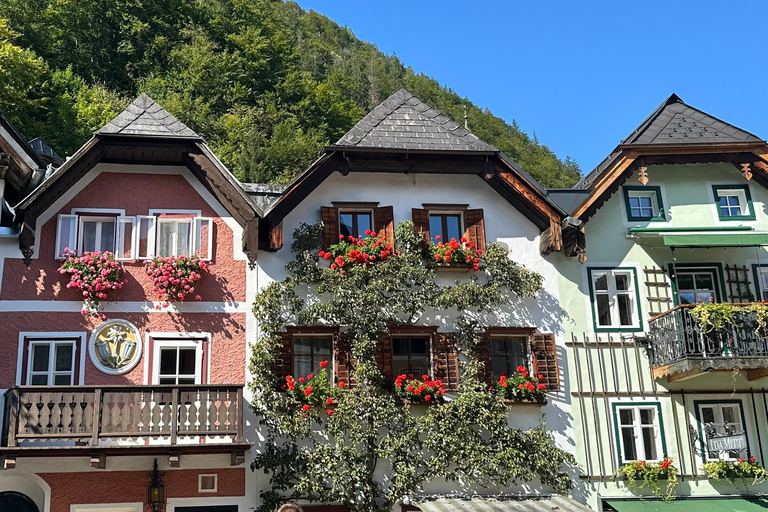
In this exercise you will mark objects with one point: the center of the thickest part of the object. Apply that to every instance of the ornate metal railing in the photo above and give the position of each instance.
(88, 415)
(676, 335)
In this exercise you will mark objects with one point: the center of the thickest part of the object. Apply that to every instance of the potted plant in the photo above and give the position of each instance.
(455, 253)
(714, 316)
(521, 387)
(732, 469)
(414, 390)
(646, 475)
(313, 390)
(175, 277)
(96, 274)
(350, 251)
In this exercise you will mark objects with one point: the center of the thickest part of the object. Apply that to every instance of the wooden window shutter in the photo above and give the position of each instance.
(446, 361)
(343, 359)
(544, 360)
(384, 359)
(284, 360)
(330, 217)
(483, 354)
(421, 222)
(474, 228)
(385, 223)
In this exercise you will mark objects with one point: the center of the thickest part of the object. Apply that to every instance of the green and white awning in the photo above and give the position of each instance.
(693, 505)
(735, 236)
(549, 504)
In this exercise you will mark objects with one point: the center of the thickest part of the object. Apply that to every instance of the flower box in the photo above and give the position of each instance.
(460, 255)
(520, 401)
(521, 387)
(418, 391)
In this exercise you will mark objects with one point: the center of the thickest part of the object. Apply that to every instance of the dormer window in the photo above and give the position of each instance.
(733, 202)
(177, 234)
(643, 204)
(95, 231)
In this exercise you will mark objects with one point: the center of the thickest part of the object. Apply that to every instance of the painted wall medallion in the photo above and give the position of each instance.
(115, 346)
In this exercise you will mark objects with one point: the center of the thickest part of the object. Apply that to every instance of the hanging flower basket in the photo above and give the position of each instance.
(456, 254)
(96, 274)
(418, 391)
(175, 278)
(351, 251)
(521, 387)
(646, 475)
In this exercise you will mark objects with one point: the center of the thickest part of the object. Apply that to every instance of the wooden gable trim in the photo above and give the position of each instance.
(511, 178)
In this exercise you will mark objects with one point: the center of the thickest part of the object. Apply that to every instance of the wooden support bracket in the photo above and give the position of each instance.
(9, 462)
(759, 373)
(98, 461)
(238, 458)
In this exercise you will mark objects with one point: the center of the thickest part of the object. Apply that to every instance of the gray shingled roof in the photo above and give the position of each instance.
(403, 121)
(145, 118)
(675, 123)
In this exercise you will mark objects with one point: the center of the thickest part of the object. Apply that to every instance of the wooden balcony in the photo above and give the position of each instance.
(679, 349)
(69, 420)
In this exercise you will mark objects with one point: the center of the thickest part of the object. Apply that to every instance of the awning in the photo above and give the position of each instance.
(693, 505)
(550, 504)
(717, 240)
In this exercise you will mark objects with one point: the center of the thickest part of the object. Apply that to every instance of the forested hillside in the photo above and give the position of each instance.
(265, 82)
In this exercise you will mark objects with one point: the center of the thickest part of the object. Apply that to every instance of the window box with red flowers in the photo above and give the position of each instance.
(313, 390)
(457, 255)
(175, 278)
(351, 251)
(646, 475)
(96, 274)
(419, 391)
(521, 388)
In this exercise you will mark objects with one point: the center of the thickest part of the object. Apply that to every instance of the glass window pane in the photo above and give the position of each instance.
(625, 309)
(89, 236)
(63, 358)
(39, 380)
(186, 380)
(454, 227)
(707, 415)
(187, 361)
(167, 380)
(363, 223)
(622, 282)
(601, 281)
(729, 415)
(419, 346)
(302, 365)
(628, 440)
(685, 281)
(168, 361)
(500, 365)
(649, 443)
(420, 366)
(400, 346)
(345, 224)
(603, 310)
(647, 416)
(704, 282)
(688, 297)
(436, 226)
(62, 380)
(302, 345)
(40, 357)
(165, 242)
(626, 416)
(497, 346)
(184, 230)
(107, 236)
(323, 348)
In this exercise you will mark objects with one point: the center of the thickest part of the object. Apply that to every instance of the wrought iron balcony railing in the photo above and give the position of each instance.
(88, 415)
(676, 336)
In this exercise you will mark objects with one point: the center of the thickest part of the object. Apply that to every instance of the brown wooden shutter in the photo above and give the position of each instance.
(483, 353)
(344, 360)
(474, 228)
(330, 217)
(446, 361)
(384, 360)
(385, 223)
(544, 360)
(276, 237)
(284, 360)
(421, 222)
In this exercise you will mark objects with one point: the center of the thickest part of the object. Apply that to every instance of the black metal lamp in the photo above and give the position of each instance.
(156, 492)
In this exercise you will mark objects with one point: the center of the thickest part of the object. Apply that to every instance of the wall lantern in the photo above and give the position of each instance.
(156, 492)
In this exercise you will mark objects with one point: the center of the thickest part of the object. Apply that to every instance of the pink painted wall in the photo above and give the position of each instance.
(136, 194)
(131, 486)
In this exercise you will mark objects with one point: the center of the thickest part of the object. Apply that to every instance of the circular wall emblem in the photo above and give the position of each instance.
(115, 346)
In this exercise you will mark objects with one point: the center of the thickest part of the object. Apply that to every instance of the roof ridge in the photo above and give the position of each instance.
(144, 117)
(403, 90)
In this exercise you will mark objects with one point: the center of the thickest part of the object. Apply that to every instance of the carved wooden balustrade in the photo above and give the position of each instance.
(678, 344)
(85, 414)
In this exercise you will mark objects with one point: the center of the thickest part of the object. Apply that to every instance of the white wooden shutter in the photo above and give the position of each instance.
(145, 236)
(66, 235)
(202, 237)
(125, 249)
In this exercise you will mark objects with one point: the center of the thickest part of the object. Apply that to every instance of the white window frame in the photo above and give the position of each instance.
(730, 192)
(613, 294)
(718, 410)
(71, 243)
(187, 342)
(642, 193)
(50, 373)
(200, 482)
(99, 220)
(176, 222)
(638, 430)
(761, 291)
(154, 219)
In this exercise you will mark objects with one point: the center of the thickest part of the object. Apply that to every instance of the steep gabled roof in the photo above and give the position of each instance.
(674, 123)
(403, 121)
(144, 117)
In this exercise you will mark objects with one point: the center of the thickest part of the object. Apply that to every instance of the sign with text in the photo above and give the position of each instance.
(727, 443)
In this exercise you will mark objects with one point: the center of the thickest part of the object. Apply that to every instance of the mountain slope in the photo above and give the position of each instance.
(265, 82)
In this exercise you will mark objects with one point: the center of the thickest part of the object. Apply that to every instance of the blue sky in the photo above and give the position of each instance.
(581, 75)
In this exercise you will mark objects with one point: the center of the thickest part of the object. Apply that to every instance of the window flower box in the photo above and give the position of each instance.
(521, 387)
(314, 390)
(175, 277)
(646, 475)
(461, 255)
(418, 391)
(351, 251)
(96, 274)
(520, 401)
(731, 470)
